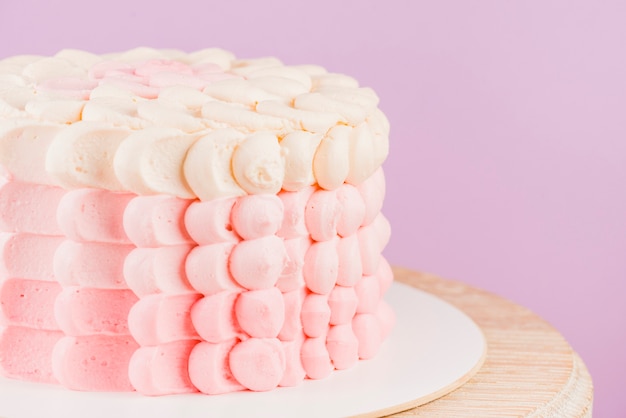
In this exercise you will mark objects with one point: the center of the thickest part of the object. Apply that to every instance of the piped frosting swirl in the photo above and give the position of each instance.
(203, 124)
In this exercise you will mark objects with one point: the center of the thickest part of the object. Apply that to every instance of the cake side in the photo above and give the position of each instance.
(188, 222)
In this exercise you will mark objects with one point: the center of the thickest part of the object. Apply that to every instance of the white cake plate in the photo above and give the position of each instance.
(433, 349)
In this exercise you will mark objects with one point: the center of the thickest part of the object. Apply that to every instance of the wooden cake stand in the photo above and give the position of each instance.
(529, 371)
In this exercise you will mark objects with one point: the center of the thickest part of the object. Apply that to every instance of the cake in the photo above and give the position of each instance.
(188, 222)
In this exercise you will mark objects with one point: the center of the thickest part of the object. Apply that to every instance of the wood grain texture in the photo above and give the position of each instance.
(530, 370)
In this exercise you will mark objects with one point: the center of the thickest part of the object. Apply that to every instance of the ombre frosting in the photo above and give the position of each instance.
(174, 223)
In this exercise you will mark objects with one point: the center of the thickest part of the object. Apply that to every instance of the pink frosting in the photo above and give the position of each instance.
(29, 208)
(91, 264)
(350, 267)
(292, 276)
(261, 313)
(352, 210)
(292, 325)
(384, 275)
(93, 215)
(258, 363)
(368, 331)
(162, 318)
(27, 353)
(383, 229)
(207, 268)
(162, 370)
(294, 372)
(294, 204)
(322, 214)
(156, 270)
(94, 362)
(209, 370)
(28, 303)
(368, 293)
(213, 318)
(342, 346)
(28, 256)
(257, 216)
(373, 192)
(343, 303)
(370, 247)
(209, 222)
(257, 264)
(321, 266)
(155, 221)
(83, 311)
(315, 358)
(315, 315)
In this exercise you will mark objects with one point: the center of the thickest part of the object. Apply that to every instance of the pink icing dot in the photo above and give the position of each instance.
(162, 318)
(257, 264)
(258, 363)
(343, 303)
(155, 221)
(352, 210)
(207, 268)
(384, 275)
(370, 248)
(209, 222)
(213, 318)
(163, 369)
(93, 215)
(368, 293)
(315, 358)
(373, 192)
(294, 372)
(315, 315)
(209, 370)
(256, 216)
(321, 266)
(350, 267)
(292, 276)
(261, 313)
(292, 326)
(294, 204)
(368, 331)
(155, 270)
(342, 346)
(322, 214)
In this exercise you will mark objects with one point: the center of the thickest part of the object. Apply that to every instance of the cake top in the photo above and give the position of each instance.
(194, 125)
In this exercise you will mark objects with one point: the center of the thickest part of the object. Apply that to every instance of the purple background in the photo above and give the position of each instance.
(508, 161)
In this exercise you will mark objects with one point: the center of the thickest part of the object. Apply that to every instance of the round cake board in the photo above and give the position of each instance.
(433, 349)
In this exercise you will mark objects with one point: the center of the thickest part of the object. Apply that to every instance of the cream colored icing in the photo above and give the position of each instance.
(307, 126)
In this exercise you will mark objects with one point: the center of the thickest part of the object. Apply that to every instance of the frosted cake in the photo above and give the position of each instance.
(188, 222)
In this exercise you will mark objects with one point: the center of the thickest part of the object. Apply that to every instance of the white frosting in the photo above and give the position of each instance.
(201, 124)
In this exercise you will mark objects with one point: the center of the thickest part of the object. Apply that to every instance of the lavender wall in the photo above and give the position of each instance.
(508, 165)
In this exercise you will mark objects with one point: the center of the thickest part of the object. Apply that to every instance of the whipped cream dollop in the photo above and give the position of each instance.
(200, 125)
